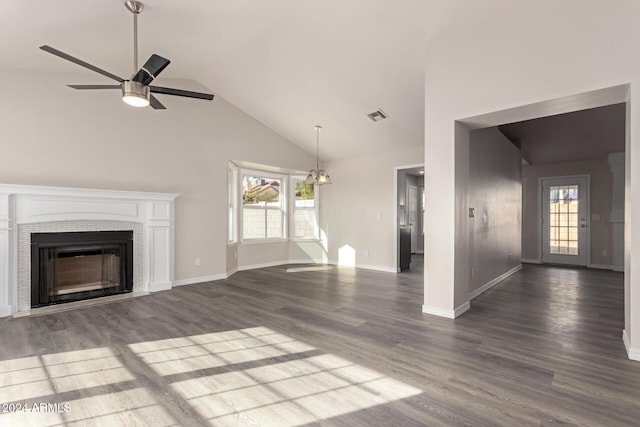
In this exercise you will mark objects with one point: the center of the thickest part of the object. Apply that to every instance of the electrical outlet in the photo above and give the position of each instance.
(197, 262)
(366, 252)
(473, 272)
(604, 253)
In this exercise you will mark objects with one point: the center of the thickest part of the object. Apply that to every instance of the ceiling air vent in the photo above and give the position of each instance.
(377, 115)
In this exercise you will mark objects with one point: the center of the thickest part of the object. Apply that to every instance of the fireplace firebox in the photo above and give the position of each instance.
(75, 266)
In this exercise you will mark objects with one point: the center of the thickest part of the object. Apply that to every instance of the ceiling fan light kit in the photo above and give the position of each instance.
(135, 94)
(137, 90)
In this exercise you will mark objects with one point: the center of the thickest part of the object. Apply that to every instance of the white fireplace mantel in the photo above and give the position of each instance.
(26, 204)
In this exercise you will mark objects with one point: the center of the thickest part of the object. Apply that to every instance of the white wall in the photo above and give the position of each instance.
(54, 135)
(495, 194)
(527, 53)
(358, 210)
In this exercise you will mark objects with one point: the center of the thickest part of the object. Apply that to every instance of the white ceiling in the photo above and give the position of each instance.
(291, 64)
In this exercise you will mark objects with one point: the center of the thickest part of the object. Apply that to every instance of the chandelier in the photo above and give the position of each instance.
(317, 175)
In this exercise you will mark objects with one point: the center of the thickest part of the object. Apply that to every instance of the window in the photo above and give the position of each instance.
(263, 206)
(305, 223)
(270, 206)
(563, 219)
(233, 203)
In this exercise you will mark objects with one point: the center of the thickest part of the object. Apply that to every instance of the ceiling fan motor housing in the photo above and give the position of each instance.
(132, 89)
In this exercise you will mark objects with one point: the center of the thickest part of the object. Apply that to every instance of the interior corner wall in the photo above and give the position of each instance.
(357, 213)
(584, 45)
(495, 195)
(462, 142)
(600, 226)
(54, 136)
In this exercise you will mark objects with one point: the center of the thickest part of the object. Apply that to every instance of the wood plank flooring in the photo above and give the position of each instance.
(291, 346)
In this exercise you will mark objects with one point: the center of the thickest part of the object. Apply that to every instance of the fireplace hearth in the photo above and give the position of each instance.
(75, 266)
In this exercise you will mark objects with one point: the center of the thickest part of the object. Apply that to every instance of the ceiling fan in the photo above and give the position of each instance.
(136, 91)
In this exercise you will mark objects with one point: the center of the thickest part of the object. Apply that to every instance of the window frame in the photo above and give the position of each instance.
(316, 210)
(233, 221)
(284, 208)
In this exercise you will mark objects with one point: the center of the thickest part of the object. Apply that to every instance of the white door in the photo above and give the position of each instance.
(564, 222)
(413, 217)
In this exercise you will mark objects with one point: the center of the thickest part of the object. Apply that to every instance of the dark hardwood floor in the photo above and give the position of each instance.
(318, 345)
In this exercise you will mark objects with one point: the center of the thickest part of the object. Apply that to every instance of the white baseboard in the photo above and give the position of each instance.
(464, 307)
(449, 314)
(213, 277)
(277, 263)
(378, 268)
(5, 310)
(306, 261)
(160, 286)
(262, 265)
(632, 353)
(435, 311)
(531, 261)
(367, 267)
(601, 266)
(201, 279)
(494, 282)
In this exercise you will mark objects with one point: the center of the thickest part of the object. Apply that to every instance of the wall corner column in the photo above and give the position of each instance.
(6, 270)
(446, 252)
(616, 165)
(159, 236)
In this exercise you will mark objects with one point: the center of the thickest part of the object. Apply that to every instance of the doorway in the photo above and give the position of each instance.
(564, 220)
(409, 215)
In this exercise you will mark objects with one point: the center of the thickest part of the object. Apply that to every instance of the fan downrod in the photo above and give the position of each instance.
(134, 6)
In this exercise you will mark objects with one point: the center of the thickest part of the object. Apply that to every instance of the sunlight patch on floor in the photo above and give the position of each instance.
(30, 377)
(194, 353)
(312, 268)
(135, 407)
(29, 385)
(305, 389)
(252, 376)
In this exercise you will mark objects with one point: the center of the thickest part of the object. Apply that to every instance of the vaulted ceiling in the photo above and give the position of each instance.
(290, 64)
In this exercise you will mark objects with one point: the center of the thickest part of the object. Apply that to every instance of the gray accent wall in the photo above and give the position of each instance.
(495, 195)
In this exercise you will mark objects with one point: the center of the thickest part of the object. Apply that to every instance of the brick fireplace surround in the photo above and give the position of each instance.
(26, 209)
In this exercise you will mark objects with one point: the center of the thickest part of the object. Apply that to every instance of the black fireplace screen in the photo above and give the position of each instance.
(80, 265)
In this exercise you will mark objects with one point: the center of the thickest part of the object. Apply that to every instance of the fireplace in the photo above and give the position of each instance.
(74, 266)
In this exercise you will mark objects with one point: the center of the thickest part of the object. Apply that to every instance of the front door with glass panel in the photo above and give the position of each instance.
(565, 205)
